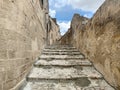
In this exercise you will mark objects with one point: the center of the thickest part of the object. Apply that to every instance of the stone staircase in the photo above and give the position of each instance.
(63, 67)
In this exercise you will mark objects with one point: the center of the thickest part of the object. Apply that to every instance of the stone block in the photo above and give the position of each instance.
(1, 86)
(12, 45)
(11, 54)
(9, 84)
(2, 75)
(3, 44)
(3, 54)
(10, 74)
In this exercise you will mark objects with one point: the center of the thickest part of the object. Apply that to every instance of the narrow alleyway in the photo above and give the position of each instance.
(63, 67)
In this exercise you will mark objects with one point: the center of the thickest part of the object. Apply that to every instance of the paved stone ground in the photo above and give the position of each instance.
(64, 68)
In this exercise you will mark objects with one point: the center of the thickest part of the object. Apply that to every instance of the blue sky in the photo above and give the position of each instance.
(64, 10)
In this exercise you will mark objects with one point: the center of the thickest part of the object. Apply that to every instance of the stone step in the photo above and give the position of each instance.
(67, 63)
(59, 50)
(62, 48)
(63, 67)
(80, 84)
(63, 56)
(60, 73)
(58, 46)
(50, 59)
(62, 53)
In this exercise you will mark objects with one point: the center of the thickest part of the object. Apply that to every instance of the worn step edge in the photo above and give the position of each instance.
(73, 55)
(60, 47)
(47, 53)
(36, 77)
(61, 58)
(68, 54)
(85, 62)
(81, 62)
(60, 50)
(66, 45)
(59, 79)
(62, 66)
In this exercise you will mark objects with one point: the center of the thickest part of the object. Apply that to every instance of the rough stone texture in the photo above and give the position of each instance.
(49, 72)
(65, 86)
(65, 75)
(54, 32)
(99, 39)
(63, 62)
(62, 56)
(23, 25)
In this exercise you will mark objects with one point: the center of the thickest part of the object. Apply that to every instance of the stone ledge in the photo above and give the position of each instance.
(63, 63)
(48, 72)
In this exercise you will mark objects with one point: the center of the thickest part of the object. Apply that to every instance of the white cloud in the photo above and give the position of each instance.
(64, 25)
(57, 3)
(87, 15)
(52, 13)
(86, 5)
(60, 3)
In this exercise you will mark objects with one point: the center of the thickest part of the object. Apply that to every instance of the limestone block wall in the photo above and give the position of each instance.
(22, 37)
(78, 23)
(54, 32)
(99, 40)
(67, 38)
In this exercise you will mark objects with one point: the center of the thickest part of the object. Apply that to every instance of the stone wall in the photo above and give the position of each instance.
(99, 40)
(54, 32)
(22, 37)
